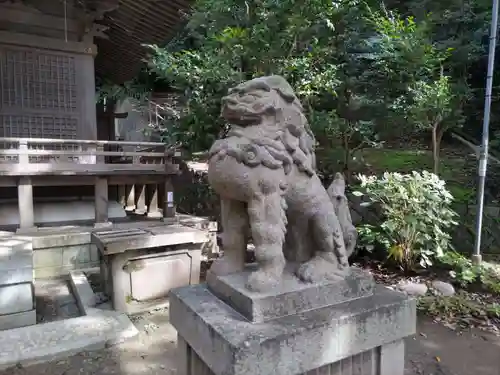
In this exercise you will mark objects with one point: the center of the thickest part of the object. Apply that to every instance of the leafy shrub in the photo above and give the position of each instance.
(464, 272)
(461, 268)
(417, 214)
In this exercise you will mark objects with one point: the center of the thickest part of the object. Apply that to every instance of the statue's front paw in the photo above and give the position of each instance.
(263, 280)
(319, 269)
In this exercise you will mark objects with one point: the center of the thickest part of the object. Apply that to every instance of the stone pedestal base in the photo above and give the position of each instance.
(141, 280)
(361, 335)
(387, 359)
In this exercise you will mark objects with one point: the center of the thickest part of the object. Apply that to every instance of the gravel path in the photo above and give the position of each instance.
(435, 350)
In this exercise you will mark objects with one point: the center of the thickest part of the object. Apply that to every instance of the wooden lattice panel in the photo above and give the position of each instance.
(38, 98)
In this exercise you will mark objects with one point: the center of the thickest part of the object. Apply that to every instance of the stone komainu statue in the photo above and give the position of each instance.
(264, 172)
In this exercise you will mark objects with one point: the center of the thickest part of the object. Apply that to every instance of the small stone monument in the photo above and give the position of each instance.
(301, 309)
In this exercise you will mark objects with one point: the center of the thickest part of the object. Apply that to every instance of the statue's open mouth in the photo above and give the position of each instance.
(240, 114)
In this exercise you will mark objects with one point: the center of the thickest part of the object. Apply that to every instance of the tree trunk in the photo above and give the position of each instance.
(439, 138)
(347, 154)
(435, 150)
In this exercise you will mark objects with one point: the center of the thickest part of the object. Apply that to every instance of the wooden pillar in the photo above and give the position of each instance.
(122, 198)
(153, 210)
(25, 204)
(140, 207)
(25, 192)
(101, 202)
(100, 159)
(130, 197)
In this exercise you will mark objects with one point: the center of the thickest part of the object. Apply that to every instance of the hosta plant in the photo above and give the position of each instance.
(416, 216)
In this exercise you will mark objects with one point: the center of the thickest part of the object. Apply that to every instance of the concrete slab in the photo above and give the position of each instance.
(82, 291)
(49, 341)
(13, 321)
(16, 298)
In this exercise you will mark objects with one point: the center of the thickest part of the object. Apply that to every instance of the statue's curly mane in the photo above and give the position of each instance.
(289, 141)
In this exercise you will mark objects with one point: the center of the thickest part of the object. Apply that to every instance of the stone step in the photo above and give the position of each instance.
(50, 341)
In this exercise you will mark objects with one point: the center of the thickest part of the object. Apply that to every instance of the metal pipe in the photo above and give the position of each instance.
(483, 156)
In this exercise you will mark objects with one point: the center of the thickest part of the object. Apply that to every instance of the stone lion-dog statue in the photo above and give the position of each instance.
(264, 172)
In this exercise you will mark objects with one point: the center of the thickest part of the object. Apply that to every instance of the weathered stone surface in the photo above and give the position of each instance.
(387, 359)
(414, 289)
(16, 259)
(50, 341)
(54, 300)
(229, 344)
(16, 275)
(443, 288)
(291, 296)
(264, 171)
(336, 192)
(139, 280)
(82, 290)
(57, 251)
(16, 298)
(13, 321)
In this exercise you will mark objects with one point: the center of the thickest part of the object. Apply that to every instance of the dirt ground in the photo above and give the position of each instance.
(435, 350)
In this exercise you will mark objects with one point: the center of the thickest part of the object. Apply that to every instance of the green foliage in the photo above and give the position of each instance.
(336, 55)
(417, 214)
(430, 102)
(128, 90)
(196, 196)
(464, 272)
(241, 40)
(424, 97)
(462, 269)
(333, 131)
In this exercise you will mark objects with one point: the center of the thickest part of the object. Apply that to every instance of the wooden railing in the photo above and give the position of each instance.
(27, 162)
(44, 156)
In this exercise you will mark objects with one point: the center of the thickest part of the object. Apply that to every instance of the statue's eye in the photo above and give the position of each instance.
(339, 198)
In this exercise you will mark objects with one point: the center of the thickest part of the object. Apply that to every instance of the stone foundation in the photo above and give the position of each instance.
(387, 360)
(59, 250)
(360, 334)
(17, 302)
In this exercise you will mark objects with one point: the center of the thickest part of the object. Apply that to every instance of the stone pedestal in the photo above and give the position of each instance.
(139, 266)
(351, 326)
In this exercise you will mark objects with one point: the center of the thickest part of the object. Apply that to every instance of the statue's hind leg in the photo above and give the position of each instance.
(235, 227)
(268, 225)
(330, 259)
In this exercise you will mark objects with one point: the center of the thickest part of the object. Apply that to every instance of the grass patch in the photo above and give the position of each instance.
(460, 179)
(409, 160)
